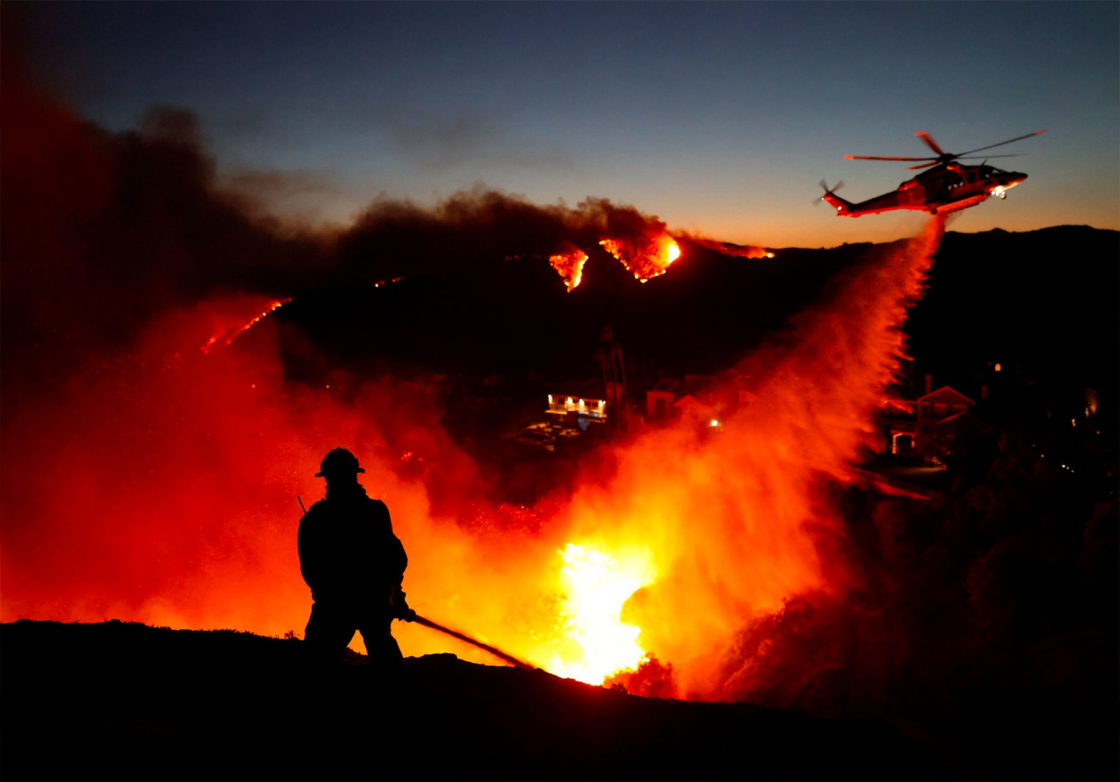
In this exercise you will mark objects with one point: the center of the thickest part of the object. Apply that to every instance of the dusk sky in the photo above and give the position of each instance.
(719, 118)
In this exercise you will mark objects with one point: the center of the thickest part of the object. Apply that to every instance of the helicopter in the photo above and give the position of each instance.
(947, 186)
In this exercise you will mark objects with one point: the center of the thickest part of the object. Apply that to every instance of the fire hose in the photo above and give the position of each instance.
(509, 658)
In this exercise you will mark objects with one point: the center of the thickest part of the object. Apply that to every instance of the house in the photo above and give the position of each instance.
(905, 420)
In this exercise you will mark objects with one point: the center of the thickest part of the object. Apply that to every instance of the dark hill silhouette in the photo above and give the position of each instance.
(1042, 301)
(127, 701)
(1045, 297)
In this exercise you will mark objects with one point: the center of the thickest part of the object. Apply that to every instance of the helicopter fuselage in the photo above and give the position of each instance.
(945, 188)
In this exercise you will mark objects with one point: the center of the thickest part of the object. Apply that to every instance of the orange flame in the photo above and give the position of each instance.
(645, 259)
(225, 336)
(569, 265)
(596, 585)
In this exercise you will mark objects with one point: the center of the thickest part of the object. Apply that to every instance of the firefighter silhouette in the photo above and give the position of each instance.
(354, 565)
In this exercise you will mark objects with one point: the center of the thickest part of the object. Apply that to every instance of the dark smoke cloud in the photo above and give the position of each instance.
(292, 195)
(103, 231)
(478, 226)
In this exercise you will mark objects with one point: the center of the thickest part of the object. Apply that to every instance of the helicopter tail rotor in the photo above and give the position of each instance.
(827, 191)
(832, 199)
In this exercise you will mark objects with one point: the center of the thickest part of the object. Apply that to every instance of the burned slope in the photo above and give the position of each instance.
(126, 701)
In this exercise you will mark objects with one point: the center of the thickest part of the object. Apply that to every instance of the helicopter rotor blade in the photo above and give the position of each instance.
(1001, 143)
(987, 157)
(873, 157)
(926, 137)
(923, 165)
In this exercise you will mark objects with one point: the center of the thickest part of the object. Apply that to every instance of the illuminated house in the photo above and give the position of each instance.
(577, 406)
(906, 420)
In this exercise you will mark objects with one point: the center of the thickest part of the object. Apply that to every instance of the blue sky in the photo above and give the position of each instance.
(717, 117)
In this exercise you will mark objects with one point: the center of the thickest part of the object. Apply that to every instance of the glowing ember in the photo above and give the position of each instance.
(225, 337)
(596, 585)
(644, 259)
(569, 265)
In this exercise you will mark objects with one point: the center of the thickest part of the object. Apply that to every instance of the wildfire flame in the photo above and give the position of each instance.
(645, 259)
(569, 265)
(596, 585)
(224, 337)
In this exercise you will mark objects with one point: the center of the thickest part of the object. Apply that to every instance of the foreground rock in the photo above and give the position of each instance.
(126, 701)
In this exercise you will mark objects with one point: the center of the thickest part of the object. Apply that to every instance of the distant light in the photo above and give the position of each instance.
(998, 367)
(713, 423)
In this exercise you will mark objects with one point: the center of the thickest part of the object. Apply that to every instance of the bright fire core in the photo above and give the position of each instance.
(596, 585)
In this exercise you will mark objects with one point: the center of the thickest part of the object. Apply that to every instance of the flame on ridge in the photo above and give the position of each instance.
(569, 265)
(224, 337)
(644, 258)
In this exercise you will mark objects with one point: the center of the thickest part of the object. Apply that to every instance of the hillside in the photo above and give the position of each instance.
(1045, 298)
(127, 701)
